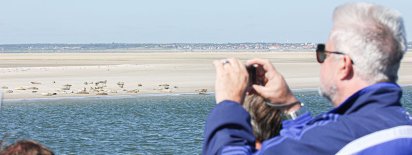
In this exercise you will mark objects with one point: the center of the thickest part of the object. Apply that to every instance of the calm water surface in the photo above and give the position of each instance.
(129, 125)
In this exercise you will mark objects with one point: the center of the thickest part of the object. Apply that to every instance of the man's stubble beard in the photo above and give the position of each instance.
(329, 93)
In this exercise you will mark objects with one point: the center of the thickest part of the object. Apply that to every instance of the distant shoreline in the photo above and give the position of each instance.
(56, 47)
(152, 51)
(257, 46)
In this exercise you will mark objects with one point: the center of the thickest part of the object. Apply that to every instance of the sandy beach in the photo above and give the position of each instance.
(45, 75)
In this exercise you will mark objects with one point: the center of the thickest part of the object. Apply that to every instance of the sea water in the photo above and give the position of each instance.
(144, 124)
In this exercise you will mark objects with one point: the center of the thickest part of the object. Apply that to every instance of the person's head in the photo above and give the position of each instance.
(371, 40)
(26, 147)
(265, 120)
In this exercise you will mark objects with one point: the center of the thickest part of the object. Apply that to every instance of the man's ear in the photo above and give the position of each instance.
(345, 68)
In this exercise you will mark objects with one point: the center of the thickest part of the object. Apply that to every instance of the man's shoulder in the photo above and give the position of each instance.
(367, 121)
(395, 140)
(329, 132)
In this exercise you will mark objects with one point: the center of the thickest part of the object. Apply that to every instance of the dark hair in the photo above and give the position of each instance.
(265, 120)
(26, 147)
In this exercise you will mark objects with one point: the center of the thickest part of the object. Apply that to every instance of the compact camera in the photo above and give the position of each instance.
(253, 74)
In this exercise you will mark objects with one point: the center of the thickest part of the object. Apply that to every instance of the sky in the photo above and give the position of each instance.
(173, 21)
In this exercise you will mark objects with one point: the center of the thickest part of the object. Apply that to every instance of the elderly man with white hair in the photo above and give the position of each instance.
(359, 70)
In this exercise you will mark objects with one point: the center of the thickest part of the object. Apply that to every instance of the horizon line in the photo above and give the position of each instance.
(158, 43)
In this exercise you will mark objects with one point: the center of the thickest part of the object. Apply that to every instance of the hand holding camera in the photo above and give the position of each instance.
(234, 80)
(231, 80)
(273, 87)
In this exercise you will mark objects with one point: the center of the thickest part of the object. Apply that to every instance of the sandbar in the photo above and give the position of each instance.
(48, 75)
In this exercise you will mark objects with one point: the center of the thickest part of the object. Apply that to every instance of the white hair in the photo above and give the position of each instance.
(373, 36)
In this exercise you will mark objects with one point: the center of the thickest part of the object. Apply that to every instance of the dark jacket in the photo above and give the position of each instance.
(374, 108)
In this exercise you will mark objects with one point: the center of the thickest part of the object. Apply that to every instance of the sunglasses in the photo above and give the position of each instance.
(321, 53)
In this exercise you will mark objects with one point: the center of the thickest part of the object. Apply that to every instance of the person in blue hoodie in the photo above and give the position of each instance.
(358, 72)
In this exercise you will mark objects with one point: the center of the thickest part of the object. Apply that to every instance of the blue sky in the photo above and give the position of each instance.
(172, 21)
